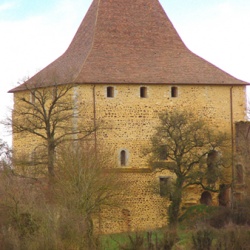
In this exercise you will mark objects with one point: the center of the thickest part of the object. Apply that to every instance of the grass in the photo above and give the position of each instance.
(128, 240)
(195, 231)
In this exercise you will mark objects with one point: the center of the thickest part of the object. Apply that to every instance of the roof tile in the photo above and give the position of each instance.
(130, 41)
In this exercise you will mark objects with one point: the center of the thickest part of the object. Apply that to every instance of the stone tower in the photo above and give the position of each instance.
(128, 64)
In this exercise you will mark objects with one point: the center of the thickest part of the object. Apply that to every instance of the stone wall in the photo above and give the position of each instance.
(242, 160)
(127, 122)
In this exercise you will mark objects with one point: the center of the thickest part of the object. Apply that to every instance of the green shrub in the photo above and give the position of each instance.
(135, 242)
(196, 215)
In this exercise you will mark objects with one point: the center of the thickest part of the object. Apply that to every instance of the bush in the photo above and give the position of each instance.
(196, 215)
(203, 239)
(150, 241)
(220, 217)
(168, 241)
(135, 242)
(241, 213)
(235, 239)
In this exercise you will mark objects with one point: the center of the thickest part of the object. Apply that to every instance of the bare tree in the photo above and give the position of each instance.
(49, 114)
(5, 156)
(186, 147)
(86, 184)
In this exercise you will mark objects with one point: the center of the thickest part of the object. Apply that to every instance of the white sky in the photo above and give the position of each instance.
(33, 33)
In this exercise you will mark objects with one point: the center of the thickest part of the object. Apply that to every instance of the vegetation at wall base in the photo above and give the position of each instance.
(206, 238)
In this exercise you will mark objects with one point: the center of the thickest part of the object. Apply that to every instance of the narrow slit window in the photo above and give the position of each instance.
(174, 92)
(143, 92)
(123, 157)
(110, 92)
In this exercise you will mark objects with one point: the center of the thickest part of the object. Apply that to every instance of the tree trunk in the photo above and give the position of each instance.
(89, 233)
(51, 158)
(174, 208)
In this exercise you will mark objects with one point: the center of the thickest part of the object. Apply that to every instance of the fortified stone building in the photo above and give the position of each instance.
(128, 64)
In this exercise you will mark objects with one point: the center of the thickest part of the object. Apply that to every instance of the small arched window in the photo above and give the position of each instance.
(110, 92)
(174, 92)
(143, 92)
(123, 158)
(206, 198)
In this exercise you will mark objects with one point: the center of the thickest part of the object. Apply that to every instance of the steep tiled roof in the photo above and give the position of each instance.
(128, 41)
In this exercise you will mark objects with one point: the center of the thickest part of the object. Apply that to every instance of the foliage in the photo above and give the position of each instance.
(202, 240)
(220, 217)
(136, 242)
(216, 217)
(39, 214)
(241, 212)
(195, 215)
(185, 146)
(233, 239)
(149, 240)
(85, 185)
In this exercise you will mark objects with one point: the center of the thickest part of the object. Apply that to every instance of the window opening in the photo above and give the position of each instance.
(174, 92)
(206, 198)
(110, 91)
(165, 187)
(143, 92)
(123, 157)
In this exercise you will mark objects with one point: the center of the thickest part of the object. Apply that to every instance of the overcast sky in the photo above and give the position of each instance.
(33, 33)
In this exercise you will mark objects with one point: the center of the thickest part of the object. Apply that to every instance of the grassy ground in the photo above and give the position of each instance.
(200, 228)
(230, 238)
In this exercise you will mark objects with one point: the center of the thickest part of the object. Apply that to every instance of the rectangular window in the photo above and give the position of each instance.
(123, 158)
(143, 92)
(110, 92)
(174, 92)
(164, 186)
